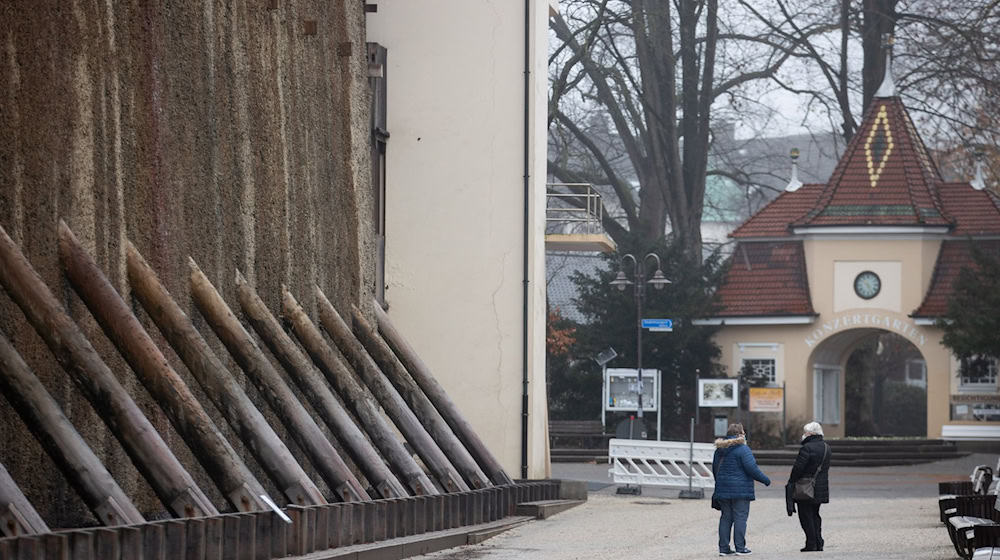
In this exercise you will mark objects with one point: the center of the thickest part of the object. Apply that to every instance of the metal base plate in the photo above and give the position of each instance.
(693, 494)
(631, 490)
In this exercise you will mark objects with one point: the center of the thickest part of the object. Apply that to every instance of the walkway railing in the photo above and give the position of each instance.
(573, 208)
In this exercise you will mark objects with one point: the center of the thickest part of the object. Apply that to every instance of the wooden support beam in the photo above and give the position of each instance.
(121, 326)
(355, 396)
(442, 402)
(388, 397)
(314, 387)
(17, 515)
(62, 442)
(150, 454)
(220, 386)
(272, 387)
(418, 402)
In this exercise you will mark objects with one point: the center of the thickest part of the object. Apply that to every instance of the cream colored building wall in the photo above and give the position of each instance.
(905, 267)
(454, 208)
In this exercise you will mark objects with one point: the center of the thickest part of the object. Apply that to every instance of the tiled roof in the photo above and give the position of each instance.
(953, 257)
(975, 212)
(773, 220)
(885, 177)
(766, 278)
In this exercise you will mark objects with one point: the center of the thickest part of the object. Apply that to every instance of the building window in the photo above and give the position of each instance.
(826, 394)
(916, 373)
(764, 369)
(978, 374)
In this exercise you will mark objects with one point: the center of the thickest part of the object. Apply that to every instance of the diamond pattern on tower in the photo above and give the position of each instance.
(879, 146)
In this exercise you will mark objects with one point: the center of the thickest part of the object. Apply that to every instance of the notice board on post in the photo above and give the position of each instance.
(767, 399)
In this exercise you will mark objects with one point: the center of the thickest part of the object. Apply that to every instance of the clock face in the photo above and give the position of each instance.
(867, 284)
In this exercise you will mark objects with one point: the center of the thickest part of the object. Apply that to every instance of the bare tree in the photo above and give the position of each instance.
(945, 61)
(634, 86)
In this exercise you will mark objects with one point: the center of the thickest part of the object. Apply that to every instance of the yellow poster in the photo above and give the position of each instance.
(766, 399)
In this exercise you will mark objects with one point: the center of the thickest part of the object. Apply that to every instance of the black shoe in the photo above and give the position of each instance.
(809, 549)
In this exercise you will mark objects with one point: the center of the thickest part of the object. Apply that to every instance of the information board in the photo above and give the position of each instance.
(621, 392)
(766, 399)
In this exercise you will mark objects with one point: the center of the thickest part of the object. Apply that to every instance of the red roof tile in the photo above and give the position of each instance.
(953, 257)
(766, 278)
(885, 177)
(774, 219)
(976, 212)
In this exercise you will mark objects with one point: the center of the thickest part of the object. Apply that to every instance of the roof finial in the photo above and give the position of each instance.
(979, 181)
(793, 183)
(888, 88)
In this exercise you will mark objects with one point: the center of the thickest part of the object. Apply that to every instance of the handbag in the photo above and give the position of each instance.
(805, 487)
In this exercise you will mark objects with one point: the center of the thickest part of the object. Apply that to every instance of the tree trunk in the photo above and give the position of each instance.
(313, 386)
(62, 442)
(220, 385)
(878, 20)
(356, 396)
(418, 402)
(388, 397)
(121, 326)
(301, 427)
(17, 515)
(150, 454)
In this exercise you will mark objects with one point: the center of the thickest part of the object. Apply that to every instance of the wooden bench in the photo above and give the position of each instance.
(577, 434)
(978, 483)
(985, 542)
(971, 515)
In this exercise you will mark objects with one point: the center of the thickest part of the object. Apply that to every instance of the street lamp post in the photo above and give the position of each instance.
(658, 281)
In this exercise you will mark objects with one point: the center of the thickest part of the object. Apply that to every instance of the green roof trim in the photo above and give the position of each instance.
(868, 210)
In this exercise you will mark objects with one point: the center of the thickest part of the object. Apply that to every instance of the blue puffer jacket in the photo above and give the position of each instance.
(735, 469)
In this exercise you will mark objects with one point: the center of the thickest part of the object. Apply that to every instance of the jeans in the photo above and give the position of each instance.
(733, 521)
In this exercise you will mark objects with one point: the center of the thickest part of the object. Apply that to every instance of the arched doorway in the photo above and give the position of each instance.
(885, 386)
(872, 382)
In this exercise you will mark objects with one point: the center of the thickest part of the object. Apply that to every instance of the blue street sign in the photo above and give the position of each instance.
(658, 325)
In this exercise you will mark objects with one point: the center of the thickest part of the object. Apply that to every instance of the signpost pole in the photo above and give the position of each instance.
(691, 492)
(659, 407)
(607, 391)
(784, 426)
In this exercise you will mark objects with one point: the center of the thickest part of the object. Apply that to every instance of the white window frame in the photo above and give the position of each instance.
(772, 378)
(821, 413)
(920, 381)
(745, 351)
(987, 384)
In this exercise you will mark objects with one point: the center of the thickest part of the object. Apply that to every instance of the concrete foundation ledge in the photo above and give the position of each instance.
(545, 508)
(415, 545)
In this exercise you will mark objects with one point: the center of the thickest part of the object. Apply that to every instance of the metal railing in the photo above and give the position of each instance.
(573, 208)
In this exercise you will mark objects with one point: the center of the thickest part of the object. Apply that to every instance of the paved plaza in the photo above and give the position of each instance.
(884, 512)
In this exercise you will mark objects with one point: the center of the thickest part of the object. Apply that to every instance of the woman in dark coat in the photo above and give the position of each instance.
(813, 460)
(735, 469)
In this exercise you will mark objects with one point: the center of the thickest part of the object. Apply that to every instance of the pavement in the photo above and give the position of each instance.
(874, 512)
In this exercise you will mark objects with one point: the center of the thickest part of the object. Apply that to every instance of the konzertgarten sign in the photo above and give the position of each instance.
(865, 320)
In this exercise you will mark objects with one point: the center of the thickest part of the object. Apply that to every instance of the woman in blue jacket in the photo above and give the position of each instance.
(735, 469)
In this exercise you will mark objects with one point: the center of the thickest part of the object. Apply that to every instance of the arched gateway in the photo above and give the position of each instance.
(826, 268)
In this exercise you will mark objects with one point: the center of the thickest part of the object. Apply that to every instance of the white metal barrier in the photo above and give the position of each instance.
(660, 463)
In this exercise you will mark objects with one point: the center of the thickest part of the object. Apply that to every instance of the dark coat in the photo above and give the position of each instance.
(808, 461)
(735, 469)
